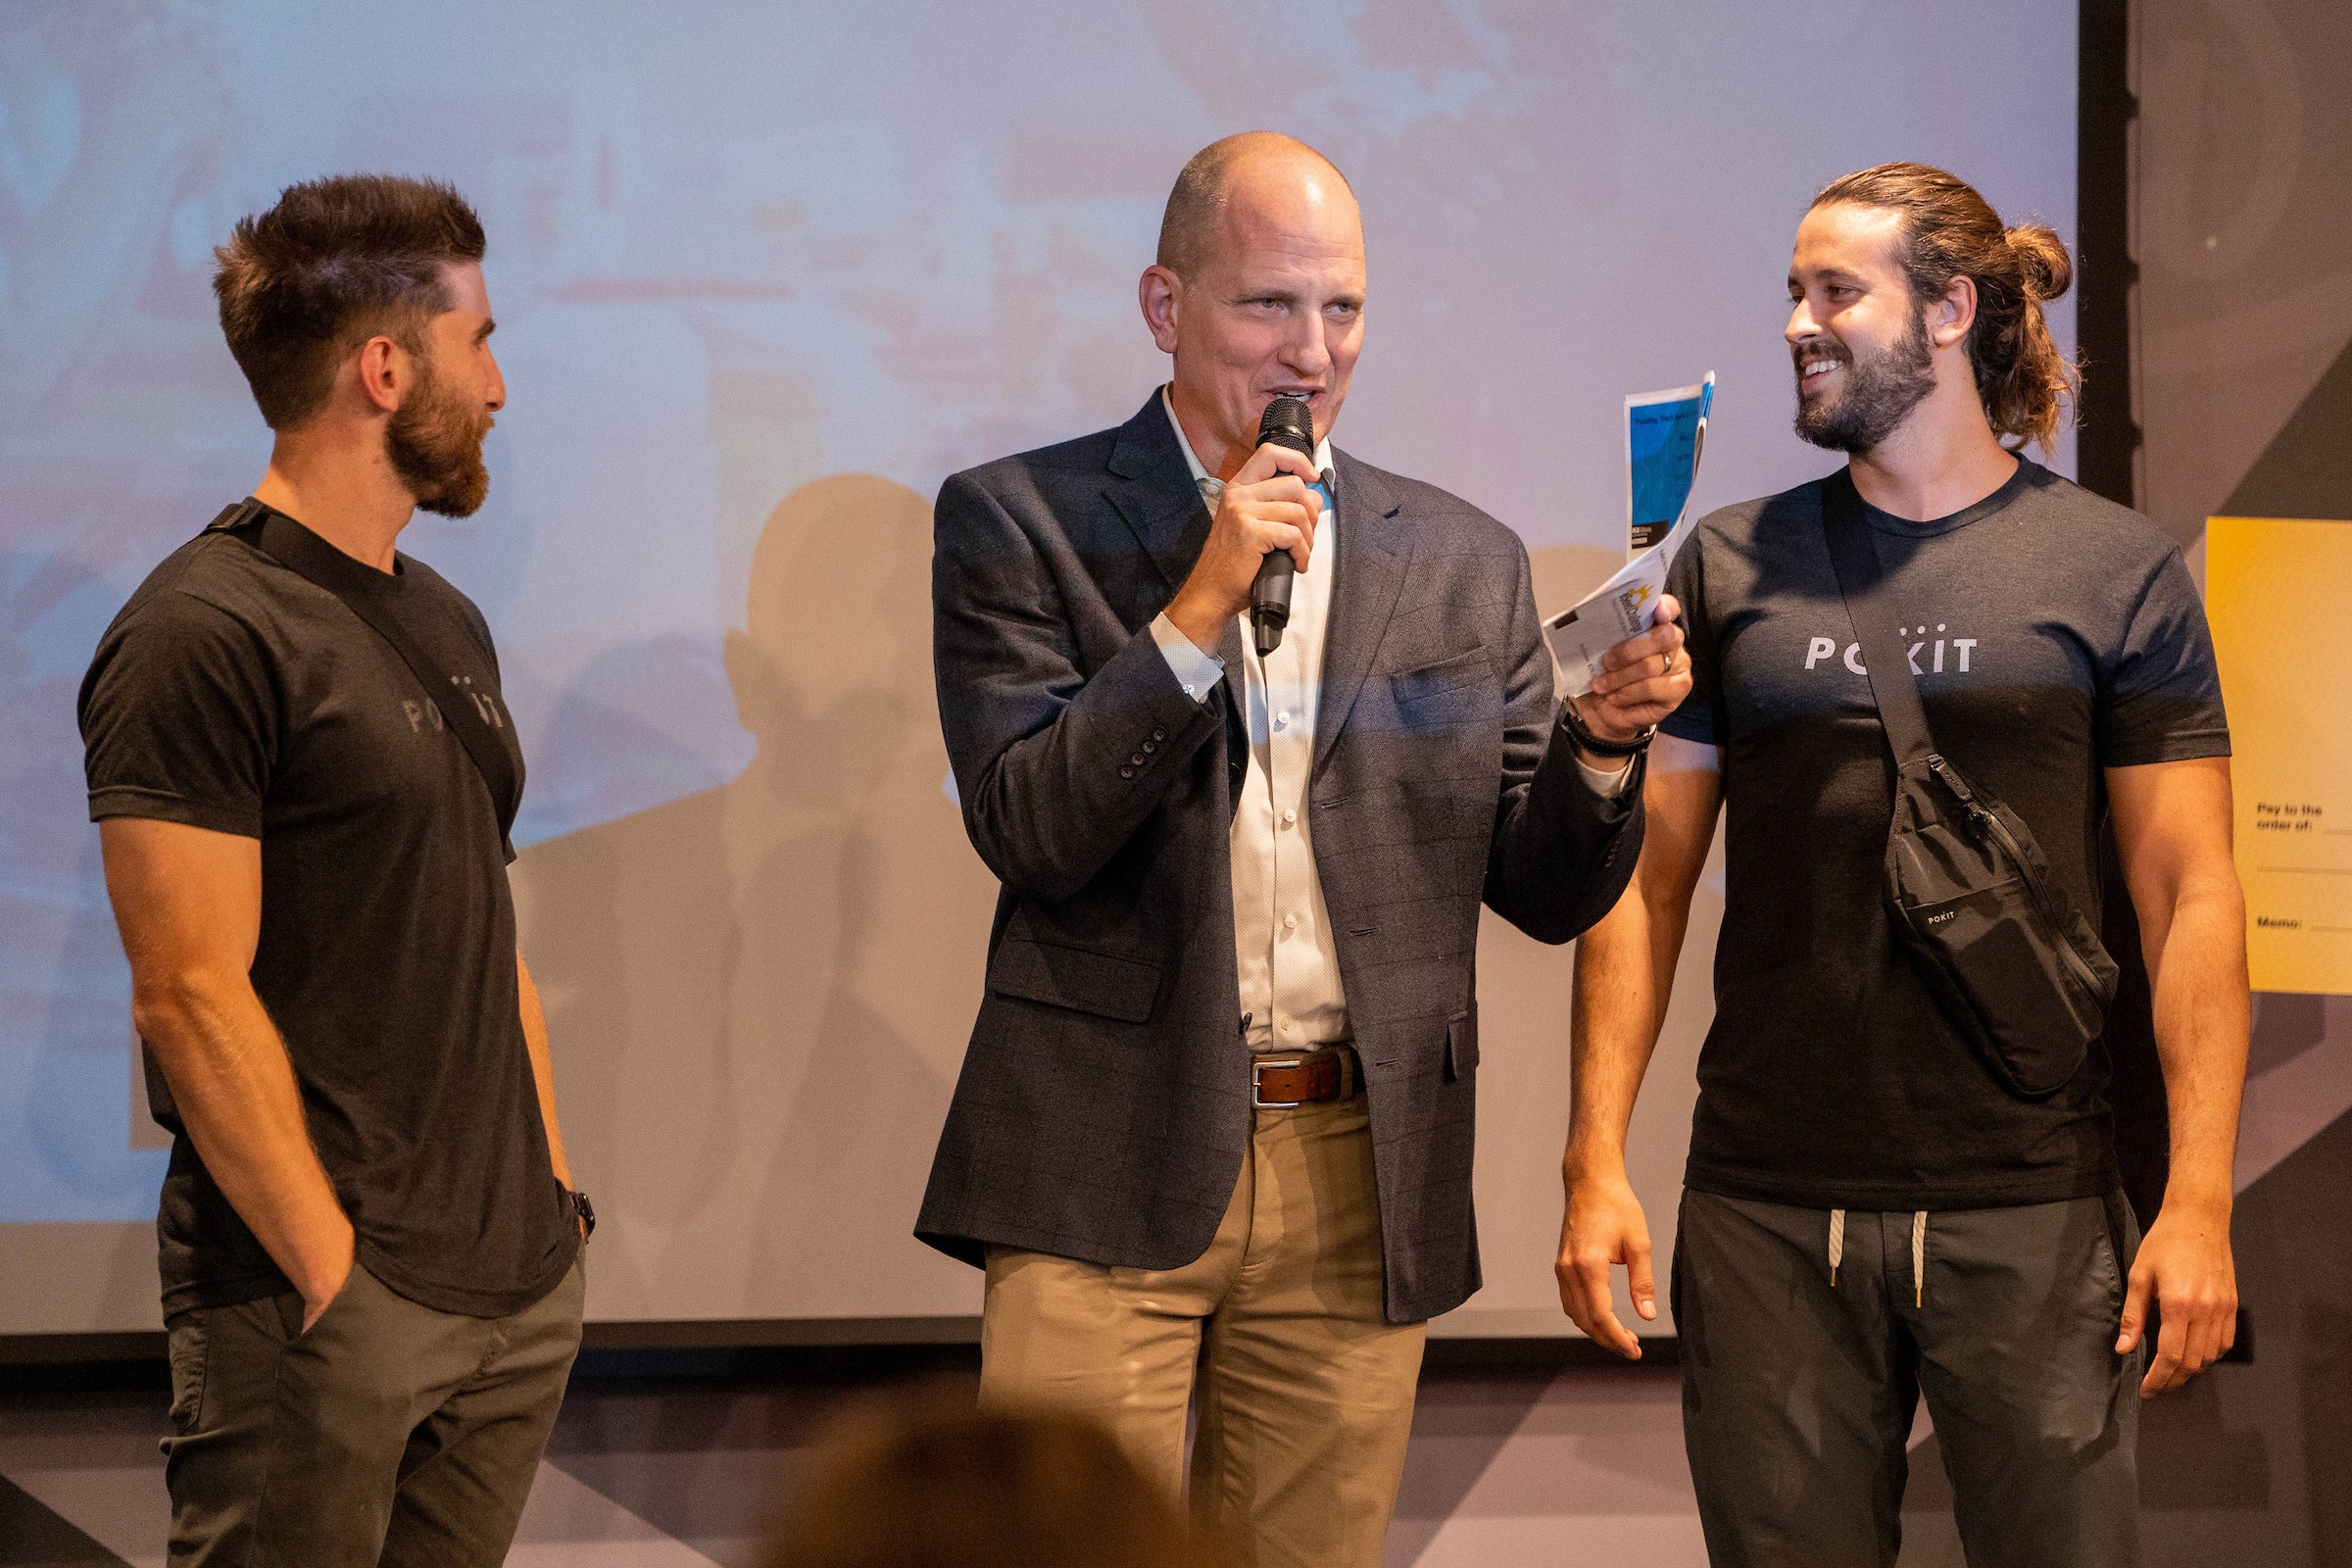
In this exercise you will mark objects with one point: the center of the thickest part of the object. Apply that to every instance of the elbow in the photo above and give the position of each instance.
(1040, 883)
(1034, 855)
(1547, 918)
(166, 1009)
(1016, 861)
(1558, 911)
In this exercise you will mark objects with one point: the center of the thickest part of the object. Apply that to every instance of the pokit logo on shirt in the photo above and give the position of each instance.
(483, 704)
(1944, 654)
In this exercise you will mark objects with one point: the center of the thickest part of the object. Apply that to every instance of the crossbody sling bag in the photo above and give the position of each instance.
(2004, 950)
(294, 547)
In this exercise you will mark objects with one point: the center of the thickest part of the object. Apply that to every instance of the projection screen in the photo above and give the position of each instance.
(764, 275)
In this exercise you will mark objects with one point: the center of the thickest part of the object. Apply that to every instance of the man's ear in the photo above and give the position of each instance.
(1952, 316)
(384, 373)
(1159, 291)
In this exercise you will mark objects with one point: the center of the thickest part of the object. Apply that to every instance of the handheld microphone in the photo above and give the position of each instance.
(1287, 422)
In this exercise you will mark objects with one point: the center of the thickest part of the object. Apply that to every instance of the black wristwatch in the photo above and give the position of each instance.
(1574, 723)
(585, 1209)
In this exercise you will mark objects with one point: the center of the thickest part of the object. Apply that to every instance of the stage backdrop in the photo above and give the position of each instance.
(764, 275)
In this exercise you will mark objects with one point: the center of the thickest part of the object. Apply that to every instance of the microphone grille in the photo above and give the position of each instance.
(1288, 423)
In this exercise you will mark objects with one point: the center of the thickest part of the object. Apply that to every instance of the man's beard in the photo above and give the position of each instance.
(1880, 391)
(435, 444)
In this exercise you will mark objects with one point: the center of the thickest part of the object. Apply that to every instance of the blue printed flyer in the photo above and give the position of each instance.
(1665, 436)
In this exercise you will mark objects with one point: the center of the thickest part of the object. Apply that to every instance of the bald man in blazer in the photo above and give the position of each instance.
(1213, 1137)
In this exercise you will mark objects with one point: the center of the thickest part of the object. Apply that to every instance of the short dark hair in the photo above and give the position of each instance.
(1951, 231)
(334, 263)
(1198, 195)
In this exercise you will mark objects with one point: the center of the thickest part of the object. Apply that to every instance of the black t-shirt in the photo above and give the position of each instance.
(2058, 635)
(232, 694)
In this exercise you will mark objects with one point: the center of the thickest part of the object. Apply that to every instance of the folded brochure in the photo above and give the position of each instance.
(1665, 435)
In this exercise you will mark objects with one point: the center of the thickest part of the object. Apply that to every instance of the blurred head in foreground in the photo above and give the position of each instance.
(966, 1490)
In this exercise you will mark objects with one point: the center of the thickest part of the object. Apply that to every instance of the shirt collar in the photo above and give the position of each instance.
(1200, 475)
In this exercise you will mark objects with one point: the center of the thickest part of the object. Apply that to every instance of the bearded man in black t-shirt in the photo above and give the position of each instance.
(1869, 1214)
(303, 772)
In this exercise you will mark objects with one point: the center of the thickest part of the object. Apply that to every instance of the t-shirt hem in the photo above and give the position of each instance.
(1899, 1196)
(130, 800)
(467, 1301)
(197, 1294)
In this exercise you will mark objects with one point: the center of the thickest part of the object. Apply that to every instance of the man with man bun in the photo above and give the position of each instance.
(1872, 1211)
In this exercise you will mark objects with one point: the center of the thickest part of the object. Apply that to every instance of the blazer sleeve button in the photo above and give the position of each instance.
(1126, 772)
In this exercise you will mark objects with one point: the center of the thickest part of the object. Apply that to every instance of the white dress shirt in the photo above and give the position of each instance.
(1291, 993)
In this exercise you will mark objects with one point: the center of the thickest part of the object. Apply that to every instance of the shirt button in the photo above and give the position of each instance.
(1283, 717)
(1288, 818)
(1290, 922)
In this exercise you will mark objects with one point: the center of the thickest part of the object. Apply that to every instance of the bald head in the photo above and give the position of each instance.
(1254, 164)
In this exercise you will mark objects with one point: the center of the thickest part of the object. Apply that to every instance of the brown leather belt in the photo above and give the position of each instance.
(1306, 1078)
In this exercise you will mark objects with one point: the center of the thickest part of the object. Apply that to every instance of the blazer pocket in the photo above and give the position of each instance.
(1461, 1046)
(1078, 978)
(1446, 675)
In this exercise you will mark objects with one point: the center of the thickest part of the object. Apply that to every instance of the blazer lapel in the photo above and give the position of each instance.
(1376, 544)
(1152, 488)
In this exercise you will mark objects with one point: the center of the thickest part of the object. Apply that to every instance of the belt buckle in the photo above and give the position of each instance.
(1258, 1064)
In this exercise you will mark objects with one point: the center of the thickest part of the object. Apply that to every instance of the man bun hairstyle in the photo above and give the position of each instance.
(333, 263)
(1951, 231)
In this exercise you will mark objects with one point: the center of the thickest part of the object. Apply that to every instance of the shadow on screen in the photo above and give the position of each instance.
(759, 993)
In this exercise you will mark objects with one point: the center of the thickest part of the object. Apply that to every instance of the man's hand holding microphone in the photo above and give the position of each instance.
(1267, 506)
(1271, 504)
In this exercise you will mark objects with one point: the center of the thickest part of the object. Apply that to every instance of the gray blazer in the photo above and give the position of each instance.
(1103, 1107)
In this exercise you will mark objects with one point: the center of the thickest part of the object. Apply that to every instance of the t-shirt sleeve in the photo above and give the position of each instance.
(178, 719)
(1701, 718)
(2159, 697)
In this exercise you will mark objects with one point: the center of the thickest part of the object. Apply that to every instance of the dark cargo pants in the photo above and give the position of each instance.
(388, 1433)
(1798, 1393)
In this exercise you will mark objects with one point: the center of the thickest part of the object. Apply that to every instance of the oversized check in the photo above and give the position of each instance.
(2275, 588)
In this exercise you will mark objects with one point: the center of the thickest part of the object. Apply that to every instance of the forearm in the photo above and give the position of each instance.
(1619, 1001)
(237, 1096)
(543, 1066)
(2197, 958)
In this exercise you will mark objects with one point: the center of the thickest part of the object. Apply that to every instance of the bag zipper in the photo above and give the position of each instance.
(1951, 780)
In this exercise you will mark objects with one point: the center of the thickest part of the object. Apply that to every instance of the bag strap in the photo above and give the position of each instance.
(1862, 582)
(294, 547)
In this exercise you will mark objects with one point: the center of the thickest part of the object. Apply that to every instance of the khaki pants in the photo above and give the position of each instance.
(1305, 1390)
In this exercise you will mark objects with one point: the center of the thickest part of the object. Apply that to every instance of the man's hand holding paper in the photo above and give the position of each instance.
(1665, 436)
(1641, 681)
